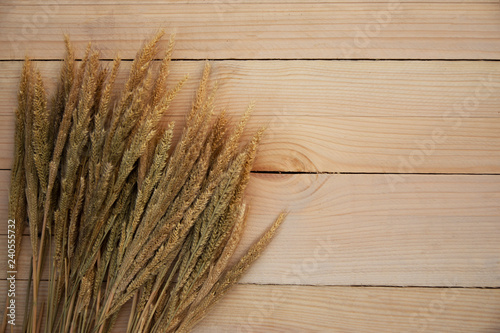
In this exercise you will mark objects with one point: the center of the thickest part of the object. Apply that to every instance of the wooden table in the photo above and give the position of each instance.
(383, 142)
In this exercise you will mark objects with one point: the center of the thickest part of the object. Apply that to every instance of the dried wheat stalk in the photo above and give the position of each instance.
(118, 212)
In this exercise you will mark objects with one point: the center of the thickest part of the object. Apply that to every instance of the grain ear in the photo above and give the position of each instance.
(118, 206)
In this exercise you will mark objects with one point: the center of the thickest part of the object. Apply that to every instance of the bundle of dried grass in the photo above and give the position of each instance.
(120, 214)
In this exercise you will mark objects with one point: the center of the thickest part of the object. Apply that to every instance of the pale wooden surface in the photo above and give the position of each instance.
(428, 232)
(264, 30)
(369, 123)
(407, 238)
(283, 308)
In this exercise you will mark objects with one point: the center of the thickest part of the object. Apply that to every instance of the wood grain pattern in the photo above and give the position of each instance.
(364, 144)
(253, 308)
(262, 30)
(332, 309)
(352, 230)
(319, 88)
(374, 251)
(380, 134)
(363, 195)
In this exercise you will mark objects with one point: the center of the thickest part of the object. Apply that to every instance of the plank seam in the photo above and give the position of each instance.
(271, 172)
(275, 59)
(374, 286)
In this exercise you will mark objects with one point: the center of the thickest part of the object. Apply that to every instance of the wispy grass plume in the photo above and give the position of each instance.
(118, 209)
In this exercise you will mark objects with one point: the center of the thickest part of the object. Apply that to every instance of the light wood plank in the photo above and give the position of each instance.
(350, 229)
(346, 250)
(398, 119)
(330, 309)
(252, 308)
(262, 31)
(364, 144)
(319, 88)
(377, 195)
(363, 194)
